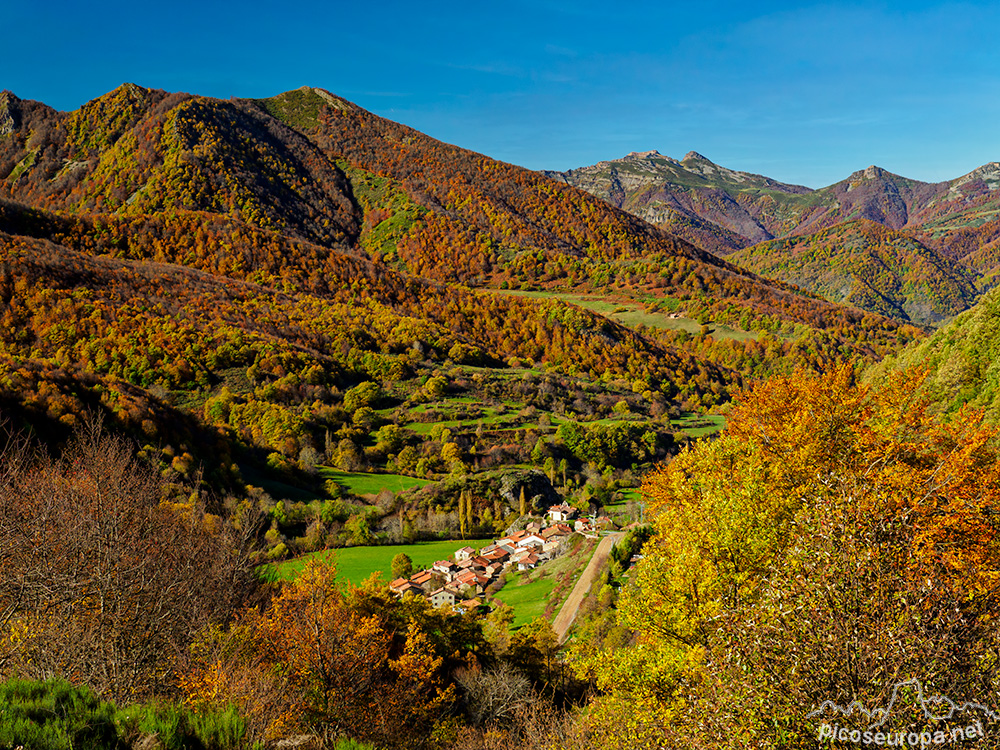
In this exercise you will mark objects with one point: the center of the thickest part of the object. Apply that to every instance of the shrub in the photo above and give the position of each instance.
(55, 715)
(178, 728)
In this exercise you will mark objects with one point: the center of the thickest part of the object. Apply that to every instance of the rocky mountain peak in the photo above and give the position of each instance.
(643, 154)
(870, 173)
(8, 113)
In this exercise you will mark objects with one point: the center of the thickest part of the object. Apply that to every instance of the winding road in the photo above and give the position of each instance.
(564, 620)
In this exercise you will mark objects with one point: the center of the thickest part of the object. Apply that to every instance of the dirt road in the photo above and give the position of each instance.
(567, 614)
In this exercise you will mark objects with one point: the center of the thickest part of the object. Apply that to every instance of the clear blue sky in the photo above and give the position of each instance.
(804, 93)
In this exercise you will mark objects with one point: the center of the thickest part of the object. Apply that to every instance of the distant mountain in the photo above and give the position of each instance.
(720, 209)
(867, 265)
(749, 217)
(751, 208)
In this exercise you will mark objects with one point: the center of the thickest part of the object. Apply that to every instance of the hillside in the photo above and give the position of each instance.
(314, 168)
(962, 360)
(867, 265)
(267, 295)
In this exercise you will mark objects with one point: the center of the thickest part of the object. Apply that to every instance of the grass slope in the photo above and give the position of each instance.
(361, 483)
(355, 564)
(540, 592)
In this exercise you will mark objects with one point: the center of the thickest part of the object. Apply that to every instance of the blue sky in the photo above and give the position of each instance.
(804, 93)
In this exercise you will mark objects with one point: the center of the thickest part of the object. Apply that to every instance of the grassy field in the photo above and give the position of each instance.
(360, 483)
(633, 313)
(490, 421)
(529, 593)
(627, 496)
(355, 564)
(694, 425)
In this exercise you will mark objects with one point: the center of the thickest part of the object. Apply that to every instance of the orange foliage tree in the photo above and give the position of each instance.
(310, 661)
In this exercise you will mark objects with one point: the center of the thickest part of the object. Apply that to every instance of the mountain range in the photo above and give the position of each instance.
(160, 249)
(217, 277)
(947, 231)
(741, 208)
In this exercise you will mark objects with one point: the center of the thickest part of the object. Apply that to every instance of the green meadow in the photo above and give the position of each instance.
(355, 564)
(360, 483)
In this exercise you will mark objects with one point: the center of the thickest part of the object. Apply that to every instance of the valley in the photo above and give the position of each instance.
(285, 343)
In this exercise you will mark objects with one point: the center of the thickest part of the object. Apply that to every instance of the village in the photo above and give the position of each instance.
(460, 583)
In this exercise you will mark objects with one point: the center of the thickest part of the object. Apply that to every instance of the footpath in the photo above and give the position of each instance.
(567, 615)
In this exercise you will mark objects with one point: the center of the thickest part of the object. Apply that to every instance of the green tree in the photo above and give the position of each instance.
(365, 394)
(402, 566)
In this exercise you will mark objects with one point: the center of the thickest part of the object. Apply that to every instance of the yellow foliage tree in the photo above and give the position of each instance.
(837, 538)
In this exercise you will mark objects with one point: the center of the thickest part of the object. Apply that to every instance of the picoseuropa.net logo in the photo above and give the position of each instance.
(940, 720)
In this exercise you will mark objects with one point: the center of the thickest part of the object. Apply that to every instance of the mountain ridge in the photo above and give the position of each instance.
(873, 193)
(310, 195)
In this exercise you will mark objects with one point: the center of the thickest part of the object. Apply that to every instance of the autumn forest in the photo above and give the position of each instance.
(241, 340)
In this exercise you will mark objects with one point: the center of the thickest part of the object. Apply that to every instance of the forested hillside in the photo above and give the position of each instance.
(146, 212)
(961, 360)
(869, 266)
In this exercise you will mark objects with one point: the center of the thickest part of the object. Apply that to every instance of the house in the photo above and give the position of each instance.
(464, 554)
(466, 580)
(498, 555)
(528, 562)
(407, 588)
(442, 597)
(423, 580)
(562, 512)
(511, 540)
(446, 567)
(530, 540)
(559, 531)
(472, 581)
(533, 528)
(494, 569)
